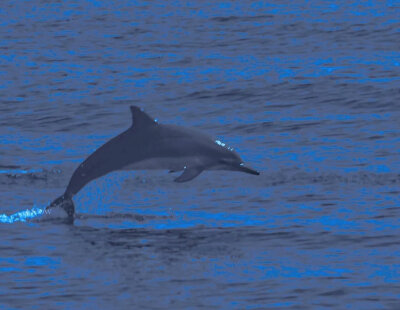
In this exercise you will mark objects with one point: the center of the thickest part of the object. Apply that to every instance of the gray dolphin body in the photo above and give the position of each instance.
(150, 145)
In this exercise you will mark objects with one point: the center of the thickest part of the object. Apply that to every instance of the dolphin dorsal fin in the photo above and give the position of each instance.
(140, 118)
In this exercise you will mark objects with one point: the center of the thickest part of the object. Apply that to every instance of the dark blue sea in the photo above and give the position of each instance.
(307, 92)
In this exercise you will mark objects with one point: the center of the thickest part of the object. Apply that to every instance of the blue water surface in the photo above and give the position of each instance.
(307, 92)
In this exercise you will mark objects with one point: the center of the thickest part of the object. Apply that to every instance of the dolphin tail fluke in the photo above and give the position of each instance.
(66, 203)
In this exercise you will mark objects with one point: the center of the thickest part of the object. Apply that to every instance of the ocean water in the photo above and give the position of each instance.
(307, 92)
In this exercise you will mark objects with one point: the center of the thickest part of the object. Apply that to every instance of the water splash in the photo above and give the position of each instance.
(21, 216)
(219, 142)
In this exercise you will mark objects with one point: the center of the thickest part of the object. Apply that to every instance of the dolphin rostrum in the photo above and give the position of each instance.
(150, 145)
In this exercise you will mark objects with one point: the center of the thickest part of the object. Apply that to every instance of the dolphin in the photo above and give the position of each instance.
(150, 145)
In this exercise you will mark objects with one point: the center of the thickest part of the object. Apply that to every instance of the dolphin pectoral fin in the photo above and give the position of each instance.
(189, 173)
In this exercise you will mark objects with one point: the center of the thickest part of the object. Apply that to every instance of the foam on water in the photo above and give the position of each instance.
(19, 171)
(22, 216)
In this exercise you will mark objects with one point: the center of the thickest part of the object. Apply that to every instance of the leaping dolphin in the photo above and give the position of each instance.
(150, 145)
